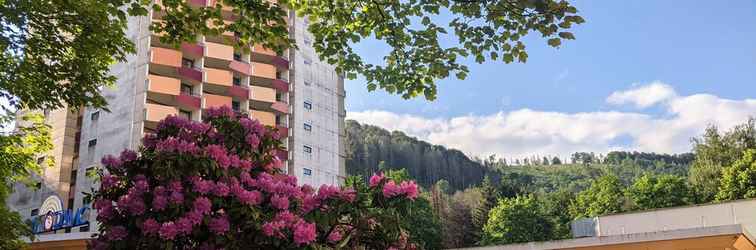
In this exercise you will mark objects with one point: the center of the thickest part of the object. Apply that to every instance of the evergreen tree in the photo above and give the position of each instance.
(488, 200)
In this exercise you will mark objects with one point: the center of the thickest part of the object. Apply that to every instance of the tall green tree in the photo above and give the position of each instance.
(605, 196)
(554, 206)
(59, 52)
(488, 201)
(514, 220)
(714, 151)
(659, 191)
(739, 180)
(19, 154)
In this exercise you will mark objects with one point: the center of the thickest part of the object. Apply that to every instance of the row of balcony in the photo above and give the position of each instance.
(156, 112)
(220, 69)
(168, 90)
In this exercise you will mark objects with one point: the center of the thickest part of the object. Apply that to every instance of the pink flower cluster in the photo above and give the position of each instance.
(391, 189)
(193, 178)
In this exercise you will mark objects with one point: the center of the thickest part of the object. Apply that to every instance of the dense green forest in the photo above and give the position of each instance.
(498, 201)
(367, 146)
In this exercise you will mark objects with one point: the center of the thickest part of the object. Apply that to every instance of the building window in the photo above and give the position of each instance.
(307, 41)
(237, 81)
(92, 143)
(237, 56)
(187, 63)
(186, 89)
(235, 106)
(307, 171)
(307, 83)
(95, 116)
(307, 61)
(185, 114)
(35, 212)
(307, 127)
(308, 105)
(307, 149)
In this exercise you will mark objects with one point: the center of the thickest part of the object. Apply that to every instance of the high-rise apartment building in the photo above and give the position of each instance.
(294, 91)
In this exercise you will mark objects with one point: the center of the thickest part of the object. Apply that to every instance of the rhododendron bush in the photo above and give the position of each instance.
(219, 184)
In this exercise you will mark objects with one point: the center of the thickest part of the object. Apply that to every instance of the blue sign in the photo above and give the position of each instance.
(56, 220)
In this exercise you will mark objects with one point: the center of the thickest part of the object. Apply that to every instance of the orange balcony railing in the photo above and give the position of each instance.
(263, 70)
(219, 51)
(163, 85)
(262, 94)
(219, 77)
(214, 101)
(167, 57)
(266, 118)
(156, 112)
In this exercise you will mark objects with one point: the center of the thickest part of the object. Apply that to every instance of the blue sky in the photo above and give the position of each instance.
(690, 47)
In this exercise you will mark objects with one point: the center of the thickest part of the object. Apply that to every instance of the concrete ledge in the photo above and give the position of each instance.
(626, 239)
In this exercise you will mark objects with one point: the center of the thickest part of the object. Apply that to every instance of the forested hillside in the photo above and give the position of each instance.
(367, 146)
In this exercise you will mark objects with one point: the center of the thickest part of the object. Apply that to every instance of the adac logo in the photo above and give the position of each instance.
(53, 217)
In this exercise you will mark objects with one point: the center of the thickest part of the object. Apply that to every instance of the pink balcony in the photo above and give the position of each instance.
(283, 154)
(215, 101)
(281, 85)
(263, 94)
(191, 74)
(258, 48)
(241, 67)
(280, 62)
(280, 107)
(193, 50)
(188, 101)
(239, 92)
(283, 131)
(201, 3)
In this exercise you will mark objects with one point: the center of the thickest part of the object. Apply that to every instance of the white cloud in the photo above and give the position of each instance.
(527, 132)
(644, 96)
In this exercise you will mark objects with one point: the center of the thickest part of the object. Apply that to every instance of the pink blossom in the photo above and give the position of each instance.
(175, 186)
(128, 155)
(117, 233)
(111, 162)
(184, 225)
(304, 233)
(202, 205)
(219, 154)
(150, 226)
(223, 111)
(376, 179)
(168, 230)
(250, 197)
(202, 186)
(104, 208)
(279, 201)
(194, 216)
(221, 189)
(327, 191)
(109, 181)
(286, 217)
(410, 189)
(391, 189)
(253, 140)
(159, 202)
(219, 225)
(348, 195)
(273, 228)
(334, 236)
(176, 197)
(309, 203)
